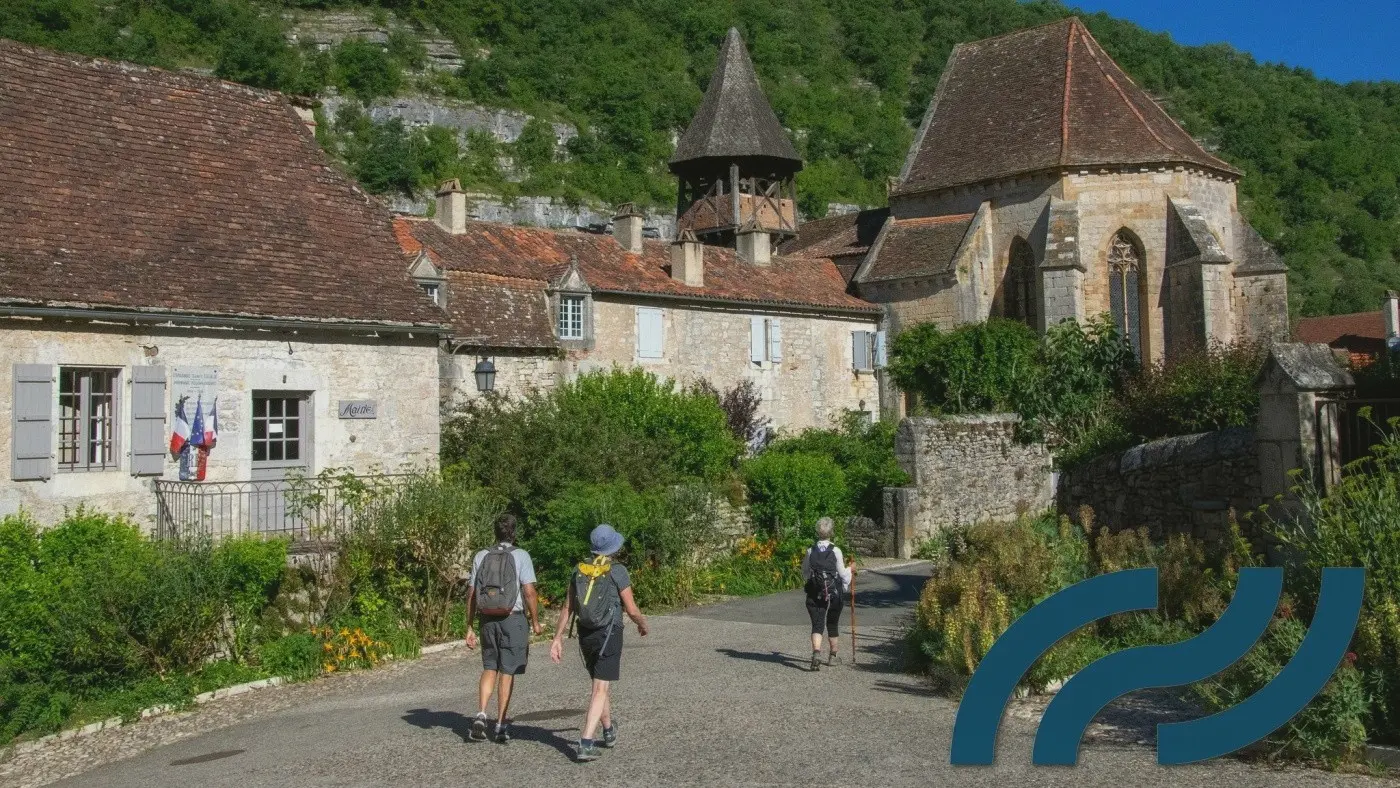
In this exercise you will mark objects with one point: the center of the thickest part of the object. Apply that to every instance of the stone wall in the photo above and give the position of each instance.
(398, 373)
(517, 374)
(971, 469)
(1187, 484)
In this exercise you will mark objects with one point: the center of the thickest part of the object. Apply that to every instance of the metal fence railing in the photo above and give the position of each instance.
(302, 509)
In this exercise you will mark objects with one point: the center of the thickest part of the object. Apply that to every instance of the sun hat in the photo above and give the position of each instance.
(605, 540)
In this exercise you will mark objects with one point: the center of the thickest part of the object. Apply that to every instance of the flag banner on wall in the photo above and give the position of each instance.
(195, 431)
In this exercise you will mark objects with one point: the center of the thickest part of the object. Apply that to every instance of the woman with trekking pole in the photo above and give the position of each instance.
(828, 581)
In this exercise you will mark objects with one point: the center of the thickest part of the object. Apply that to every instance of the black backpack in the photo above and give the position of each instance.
(824, 587)
(496, 583)
(594, 592)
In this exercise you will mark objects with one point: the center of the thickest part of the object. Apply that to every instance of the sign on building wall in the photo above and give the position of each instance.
(359, 409)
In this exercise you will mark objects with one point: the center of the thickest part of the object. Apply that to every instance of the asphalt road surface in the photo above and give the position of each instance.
(715, 696)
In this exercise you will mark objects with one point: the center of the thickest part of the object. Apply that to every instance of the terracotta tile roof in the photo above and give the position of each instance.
(918, 247)
(1332, 329)
(1041, 99)
(841, 236)
(734, 119)
(499, 311)
(134, 188)
(544, 254)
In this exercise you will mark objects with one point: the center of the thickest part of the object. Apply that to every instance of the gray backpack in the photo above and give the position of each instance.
(594, 592)
(497, 584)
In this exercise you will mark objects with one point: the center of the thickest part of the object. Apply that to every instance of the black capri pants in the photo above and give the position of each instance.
(824, 615)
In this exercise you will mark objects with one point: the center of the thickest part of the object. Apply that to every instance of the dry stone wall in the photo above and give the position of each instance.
(971, 469)
(1187, 484)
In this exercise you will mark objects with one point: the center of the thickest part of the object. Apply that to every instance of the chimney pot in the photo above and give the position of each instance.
(755, 246)
(1391, 311)
(688, 260)
(451, 214)
(627, 228)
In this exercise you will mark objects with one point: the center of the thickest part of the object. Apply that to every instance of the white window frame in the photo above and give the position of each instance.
(434, 291)
(570, 322)
(75, 450)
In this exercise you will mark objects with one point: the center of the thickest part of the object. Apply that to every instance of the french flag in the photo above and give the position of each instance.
(181, 435)
(211, 429)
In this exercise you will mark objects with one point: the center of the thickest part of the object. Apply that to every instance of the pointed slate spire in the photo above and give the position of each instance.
(735, 119)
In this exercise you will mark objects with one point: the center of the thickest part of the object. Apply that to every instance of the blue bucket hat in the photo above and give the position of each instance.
(605, 540)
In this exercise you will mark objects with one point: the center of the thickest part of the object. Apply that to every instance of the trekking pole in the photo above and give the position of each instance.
(853, 615)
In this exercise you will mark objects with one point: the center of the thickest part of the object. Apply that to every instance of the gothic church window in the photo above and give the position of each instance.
(1124, 273)
(1019, 286)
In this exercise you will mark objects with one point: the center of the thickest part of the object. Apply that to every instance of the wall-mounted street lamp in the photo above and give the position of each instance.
(485, 375)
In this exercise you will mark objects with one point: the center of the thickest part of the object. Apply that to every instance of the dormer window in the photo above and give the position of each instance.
(570, 316)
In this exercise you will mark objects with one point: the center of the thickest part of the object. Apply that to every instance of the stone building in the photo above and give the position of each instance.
(1364, 336)
(540, 306)
(165, 236)
(1044, 185)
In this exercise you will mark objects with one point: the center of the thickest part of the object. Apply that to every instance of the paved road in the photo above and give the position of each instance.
(716, 696)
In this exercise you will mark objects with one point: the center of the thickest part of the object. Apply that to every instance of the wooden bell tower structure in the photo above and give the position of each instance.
(735, 163)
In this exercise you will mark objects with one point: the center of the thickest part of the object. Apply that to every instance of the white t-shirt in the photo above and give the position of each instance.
(524, 573)
(842, 569)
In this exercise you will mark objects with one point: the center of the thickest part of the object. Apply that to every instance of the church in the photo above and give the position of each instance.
(1044, 185)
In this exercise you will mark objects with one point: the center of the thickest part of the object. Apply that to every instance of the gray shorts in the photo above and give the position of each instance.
(505, 644)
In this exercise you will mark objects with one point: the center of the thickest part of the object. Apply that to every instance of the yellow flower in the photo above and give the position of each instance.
(329, 667)
(345, 633)
(327, 647)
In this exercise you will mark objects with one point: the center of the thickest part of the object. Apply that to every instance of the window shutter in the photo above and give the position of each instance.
(860, 349)
(880, 358)
(31, 427)
(148, 439)
(649, 333)
(757, 340)
(775, 339)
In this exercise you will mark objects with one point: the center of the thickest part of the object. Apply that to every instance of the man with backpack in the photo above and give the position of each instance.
(828, 581)
(599, 593)
(502, 591)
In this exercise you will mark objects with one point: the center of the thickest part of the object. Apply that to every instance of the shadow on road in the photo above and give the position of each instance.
(905, 590)
(461, 725)
(772, 657)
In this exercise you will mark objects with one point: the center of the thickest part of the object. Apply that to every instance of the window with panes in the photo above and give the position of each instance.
(571, 317)
(277, 429)
(87, 419)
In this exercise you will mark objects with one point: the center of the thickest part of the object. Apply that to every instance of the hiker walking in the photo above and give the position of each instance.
(599, 593)
(828, 579)
(502, 591)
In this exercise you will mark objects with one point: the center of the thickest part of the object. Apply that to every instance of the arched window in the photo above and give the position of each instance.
(1019, 287)
(1124, 273)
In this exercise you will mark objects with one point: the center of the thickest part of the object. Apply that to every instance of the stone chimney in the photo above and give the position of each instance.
(755, 246)
(627, 228)
(688, 260)
(451, 212)
(1390, 309)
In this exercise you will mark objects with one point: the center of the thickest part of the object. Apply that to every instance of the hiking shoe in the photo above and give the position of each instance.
(609, 737)
(833, 659)
(502, 733)
(588, 752)
(816, 661)
(479, 727)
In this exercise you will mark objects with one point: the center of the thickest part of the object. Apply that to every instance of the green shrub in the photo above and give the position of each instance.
(625, 426)
(863, 451)
(1069, 400)
(296, 656)
(975, 368)
(1197, 391)
(364, 70)
(794, 490)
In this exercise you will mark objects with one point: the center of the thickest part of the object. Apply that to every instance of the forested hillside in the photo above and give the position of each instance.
(850, 78)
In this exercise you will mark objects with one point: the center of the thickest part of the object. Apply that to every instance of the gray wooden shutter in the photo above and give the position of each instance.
(31, 427)
(881, 359)
(860, 349)
(757, 340)
(148, 438)
(775, 339)
(650, 327)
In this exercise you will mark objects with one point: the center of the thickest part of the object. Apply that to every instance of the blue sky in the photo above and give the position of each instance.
(1341, 40)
